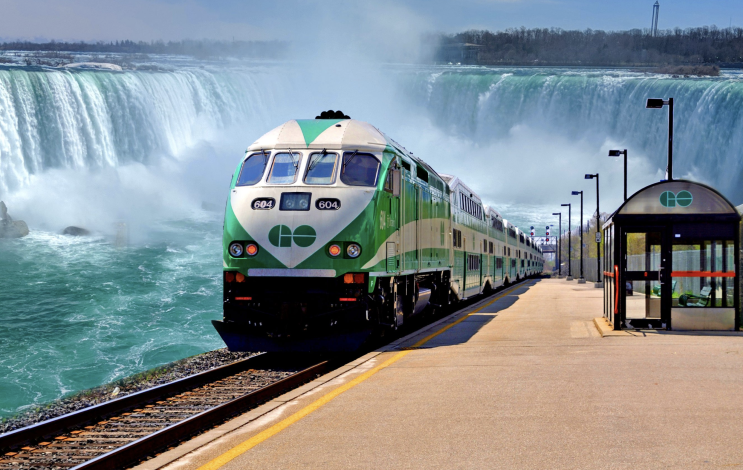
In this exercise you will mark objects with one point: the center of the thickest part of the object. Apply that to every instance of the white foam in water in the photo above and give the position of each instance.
(132, 156)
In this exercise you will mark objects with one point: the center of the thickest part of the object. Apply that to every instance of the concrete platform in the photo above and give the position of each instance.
(521, 380)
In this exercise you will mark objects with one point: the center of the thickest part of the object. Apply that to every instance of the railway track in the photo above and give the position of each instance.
(122, 432)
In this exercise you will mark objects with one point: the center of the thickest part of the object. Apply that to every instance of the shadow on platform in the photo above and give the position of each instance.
(463, 331)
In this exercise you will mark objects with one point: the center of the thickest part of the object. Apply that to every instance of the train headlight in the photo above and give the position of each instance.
(251, 249)
(334, 250)
(353, 250)
(236, 249)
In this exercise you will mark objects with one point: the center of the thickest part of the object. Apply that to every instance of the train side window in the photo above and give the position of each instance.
(422, 173)
(321, 169)
(252, 169)
(359, 169)
(284, 168)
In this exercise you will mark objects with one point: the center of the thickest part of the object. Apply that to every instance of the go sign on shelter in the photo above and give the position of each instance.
(682, 199)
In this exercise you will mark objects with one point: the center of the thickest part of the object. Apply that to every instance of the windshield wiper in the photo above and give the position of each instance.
(314, 163)
(346, 162)
(295, 163)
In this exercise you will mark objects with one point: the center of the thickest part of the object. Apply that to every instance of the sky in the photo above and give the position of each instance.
(92, 20)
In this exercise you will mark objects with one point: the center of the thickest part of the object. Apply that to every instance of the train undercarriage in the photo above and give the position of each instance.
(323, 314)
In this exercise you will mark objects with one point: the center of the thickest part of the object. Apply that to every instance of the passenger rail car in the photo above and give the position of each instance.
(333, 231)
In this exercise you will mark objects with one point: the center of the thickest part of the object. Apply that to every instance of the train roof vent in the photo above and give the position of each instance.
(330, 114)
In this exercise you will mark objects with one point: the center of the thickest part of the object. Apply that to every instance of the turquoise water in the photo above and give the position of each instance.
(78, 311)
(96, 148)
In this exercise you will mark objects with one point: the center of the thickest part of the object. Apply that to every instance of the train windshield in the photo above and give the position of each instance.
(321, 169)
(359, 169)
(252, 169)
(284, 169)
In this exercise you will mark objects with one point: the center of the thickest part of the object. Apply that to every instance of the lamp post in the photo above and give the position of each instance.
(616, 153)
(598, 231)
(570, 246)
(581, 279)
(658, 103)
(559, 244)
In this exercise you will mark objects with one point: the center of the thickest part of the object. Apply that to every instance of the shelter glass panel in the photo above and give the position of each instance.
(703, 274)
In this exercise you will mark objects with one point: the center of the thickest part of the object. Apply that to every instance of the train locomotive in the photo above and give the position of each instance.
(334, 232)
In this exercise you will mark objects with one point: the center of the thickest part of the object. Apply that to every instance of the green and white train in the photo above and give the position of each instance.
(333, 231)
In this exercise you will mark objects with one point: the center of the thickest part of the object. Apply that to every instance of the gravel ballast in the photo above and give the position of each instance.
(141, 381)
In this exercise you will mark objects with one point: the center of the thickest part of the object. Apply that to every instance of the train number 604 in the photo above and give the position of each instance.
(328, 204)
(263, 203)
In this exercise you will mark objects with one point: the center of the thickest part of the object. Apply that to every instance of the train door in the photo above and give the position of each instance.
(393, 187)
(425, 241)
(483, 257)
(410, 221)
(418, 226)
(491, 264)
(465, 265)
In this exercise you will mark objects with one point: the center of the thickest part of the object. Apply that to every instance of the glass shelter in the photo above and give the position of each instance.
(671, 253)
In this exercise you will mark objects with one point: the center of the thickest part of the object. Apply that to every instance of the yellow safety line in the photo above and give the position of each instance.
(280, 426)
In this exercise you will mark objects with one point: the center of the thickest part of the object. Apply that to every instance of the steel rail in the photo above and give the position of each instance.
(95, 413)
(138, 450)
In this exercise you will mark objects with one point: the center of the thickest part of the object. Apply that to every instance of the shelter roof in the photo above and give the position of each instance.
(676, 198)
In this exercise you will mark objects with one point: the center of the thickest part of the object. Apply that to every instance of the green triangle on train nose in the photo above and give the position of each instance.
(311, 128)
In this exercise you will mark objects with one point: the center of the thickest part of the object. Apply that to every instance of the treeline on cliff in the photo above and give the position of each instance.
(554, 46)
(195, 48)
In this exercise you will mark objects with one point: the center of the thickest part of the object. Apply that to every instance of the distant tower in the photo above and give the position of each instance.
(654, 22)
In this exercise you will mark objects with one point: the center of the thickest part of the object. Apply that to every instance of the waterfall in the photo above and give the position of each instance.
(484, 105)
(96, 119)
(93, 119)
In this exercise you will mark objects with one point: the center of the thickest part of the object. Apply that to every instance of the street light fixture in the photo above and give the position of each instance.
(598, 230)
(658, 103)
(559, 245)
(616, 153)
(581, 279)
(570, 245)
